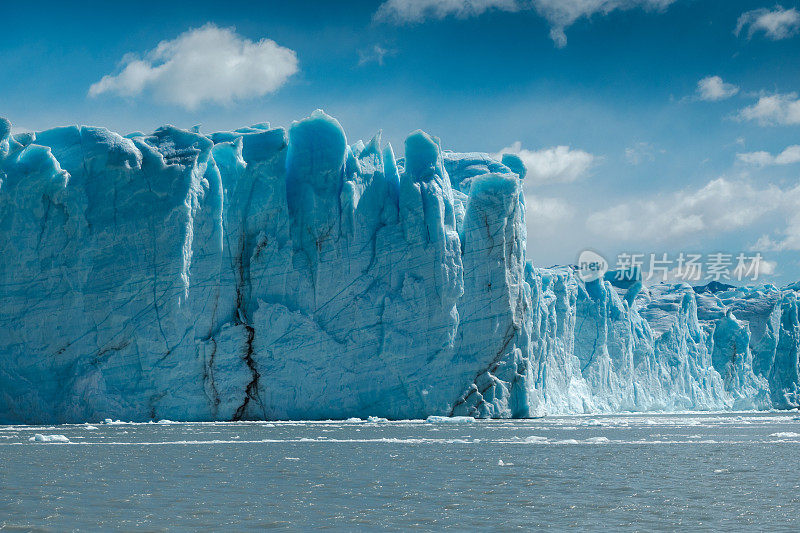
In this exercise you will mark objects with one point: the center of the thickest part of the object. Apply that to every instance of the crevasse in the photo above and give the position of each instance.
(266, 274)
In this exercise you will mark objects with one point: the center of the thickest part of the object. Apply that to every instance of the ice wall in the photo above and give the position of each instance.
(266, 274)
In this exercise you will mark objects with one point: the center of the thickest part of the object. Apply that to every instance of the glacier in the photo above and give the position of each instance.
(266, 274)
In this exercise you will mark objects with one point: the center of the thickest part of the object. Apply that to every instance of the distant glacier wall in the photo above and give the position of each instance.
(266, 274)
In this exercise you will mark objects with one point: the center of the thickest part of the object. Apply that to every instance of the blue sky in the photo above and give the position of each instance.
(649, 126)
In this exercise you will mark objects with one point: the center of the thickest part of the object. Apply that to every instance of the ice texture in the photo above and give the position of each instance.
(272, 274)
(49, 438)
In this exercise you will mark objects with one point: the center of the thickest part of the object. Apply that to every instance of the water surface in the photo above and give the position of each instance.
(653, 472)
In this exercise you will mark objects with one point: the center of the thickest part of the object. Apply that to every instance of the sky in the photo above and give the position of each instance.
(647, 126)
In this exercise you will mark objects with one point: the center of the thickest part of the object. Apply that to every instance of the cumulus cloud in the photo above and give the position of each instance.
(206, 64)
(787, 239)
(712, 88)
(777, 23)
(774, 110)
(789, 156)
(720, 206)
(541, 211)
(545, 217)
(559, 164)
(560, 14)
(762, 268)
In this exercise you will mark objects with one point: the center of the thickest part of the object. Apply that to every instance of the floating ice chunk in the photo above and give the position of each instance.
(49, 438)
(785, 435)
(449, 419)
(536, 439)
(597, 440)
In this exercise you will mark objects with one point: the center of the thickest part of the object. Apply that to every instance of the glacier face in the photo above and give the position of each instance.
(272, 274)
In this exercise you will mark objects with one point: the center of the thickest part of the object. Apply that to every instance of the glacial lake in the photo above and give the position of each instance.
(731, 471)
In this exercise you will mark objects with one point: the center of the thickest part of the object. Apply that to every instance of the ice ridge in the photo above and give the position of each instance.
(272, 274)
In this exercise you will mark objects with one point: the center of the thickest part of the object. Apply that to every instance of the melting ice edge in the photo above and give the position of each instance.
(266, 274)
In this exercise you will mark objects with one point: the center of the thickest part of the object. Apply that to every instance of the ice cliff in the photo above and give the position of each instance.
(266, 274)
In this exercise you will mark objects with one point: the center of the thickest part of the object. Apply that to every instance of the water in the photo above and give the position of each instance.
(652, 472)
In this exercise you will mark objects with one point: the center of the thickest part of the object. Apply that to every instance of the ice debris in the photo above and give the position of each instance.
(38, 437)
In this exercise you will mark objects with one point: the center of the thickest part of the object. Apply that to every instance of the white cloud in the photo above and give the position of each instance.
(763, 267)
(720, 206)
(776, 109)
(789, 156)
(778, 23)
(206, 64)
(376, 54)
(549, 216)
(411, 11)
(559, 13)
(546, 211)
(640, 153)
(788, 238)
(559, 164)
(712, 88)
